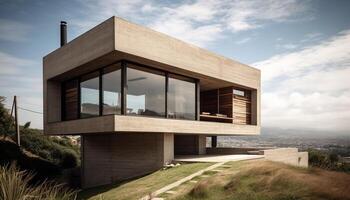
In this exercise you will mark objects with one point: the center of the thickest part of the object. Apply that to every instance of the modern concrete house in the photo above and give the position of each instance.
(138, 98)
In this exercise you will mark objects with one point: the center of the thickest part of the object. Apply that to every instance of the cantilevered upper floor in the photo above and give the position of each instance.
(122, 77)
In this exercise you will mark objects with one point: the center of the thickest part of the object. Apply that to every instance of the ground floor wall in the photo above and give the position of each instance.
(189, 144)
(113, 157)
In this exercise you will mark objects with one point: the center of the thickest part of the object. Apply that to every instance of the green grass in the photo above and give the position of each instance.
(261, 180)
(140, 187)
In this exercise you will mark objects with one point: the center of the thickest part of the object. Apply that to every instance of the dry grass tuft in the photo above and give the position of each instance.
(15, 185)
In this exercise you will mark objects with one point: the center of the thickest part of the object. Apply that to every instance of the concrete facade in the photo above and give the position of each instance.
(115, 40)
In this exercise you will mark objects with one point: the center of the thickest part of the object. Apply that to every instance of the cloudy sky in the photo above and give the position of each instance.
(301, 47)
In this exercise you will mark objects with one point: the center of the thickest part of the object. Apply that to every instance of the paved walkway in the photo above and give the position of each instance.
(216, 158)
(179, 182)
(219, 160)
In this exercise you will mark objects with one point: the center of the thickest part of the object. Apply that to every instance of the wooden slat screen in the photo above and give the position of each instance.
(70, 100)
(242, 107)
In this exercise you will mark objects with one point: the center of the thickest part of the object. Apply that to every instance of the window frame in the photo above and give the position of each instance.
(124, 64)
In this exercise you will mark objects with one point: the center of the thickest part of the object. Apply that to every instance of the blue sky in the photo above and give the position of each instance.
(301, 47)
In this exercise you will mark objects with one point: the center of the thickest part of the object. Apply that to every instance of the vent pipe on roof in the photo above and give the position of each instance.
(63, 33)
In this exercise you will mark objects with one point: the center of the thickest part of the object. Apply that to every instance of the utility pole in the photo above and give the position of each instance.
(18, 137)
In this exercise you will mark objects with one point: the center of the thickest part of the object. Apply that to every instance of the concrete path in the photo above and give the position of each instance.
(219, 160)
(216, 158)
(179, 182)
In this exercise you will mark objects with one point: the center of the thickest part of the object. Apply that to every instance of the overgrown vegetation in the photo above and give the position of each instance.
(43, 169)
(327, 160)
(47, 157)
(57, 150)
(16, 185)
(6, 120)
(262, 180)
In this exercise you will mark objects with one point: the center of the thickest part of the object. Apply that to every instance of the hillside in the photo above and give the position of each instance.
(267, 180)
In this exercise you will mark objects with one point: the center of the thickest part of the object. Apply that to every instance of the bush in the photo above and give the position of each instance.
(15, 185)
(6, 121)
(56, 150)
(327, 160)
(69, 159)
(44, 169)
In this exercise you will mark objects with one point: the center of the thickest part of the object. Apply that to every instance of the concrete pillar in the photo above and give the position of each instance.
(108, 158)
(190, 144)
(214, 141)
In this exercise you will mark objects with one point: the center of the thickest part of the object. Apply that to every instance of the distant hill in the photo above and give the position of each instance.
(307, 133)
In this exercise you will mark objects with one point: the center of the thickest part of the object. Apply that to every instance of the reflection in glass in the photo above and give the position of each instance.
(111, 86)
(146, 93)
(89, 102)
(181, 99)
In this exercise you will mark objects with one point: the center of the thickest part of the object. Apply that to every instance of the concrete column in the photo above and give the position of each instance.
(109, 158)
(190, 144)
(214, 141)
(168, 148)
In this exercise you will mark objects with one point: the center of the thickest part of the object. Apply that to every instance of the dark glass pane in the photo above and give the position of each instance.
(181, 99)
(146, 93)
(89, 99)
(70, 104)
(111, 86)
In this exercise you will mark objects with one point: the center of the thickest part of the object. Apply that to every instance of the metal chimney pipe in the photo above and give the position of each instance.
(63, 33)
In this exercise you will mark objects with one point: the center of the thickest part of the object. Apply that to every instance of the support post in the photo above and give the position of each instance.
(213, 141)
(18, 137)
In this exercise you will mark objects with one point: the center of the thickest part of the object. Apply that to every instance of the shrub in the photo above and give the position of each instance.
(69, 159)
(15, 185)
(44, 169)
(56, 150)
(6, 120)
(326, 160)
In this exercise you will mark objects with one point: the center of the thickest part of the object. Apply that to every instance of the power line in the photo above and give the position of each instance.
(33, 111)
(26, 109)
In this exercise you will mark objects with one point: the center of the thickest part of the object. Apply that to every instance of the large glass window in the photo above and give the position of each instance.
(181, 99)
(89, 99)
(145, 93)
(111, 87)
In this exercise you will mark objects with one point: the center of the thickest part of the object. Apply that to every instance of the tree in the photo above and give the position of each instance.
(26, 125)
(6, 121)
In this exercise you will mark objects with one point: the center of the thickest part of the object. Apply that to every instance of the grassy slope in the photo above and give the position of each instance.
(266, 180)
(140, 187)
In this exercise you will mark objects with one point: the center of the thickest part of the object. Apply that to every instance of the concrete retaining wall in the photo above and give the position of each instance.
(289, 156)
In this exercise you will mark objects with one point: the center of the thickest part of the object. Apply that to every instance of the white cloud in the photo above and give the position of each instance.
(288, 46)
(198, 22)
(10, 65)
(309, 88)
(243, 41)
(13, 31)
(182, 23)
(246, 15)
(330, 53)
(15, 80)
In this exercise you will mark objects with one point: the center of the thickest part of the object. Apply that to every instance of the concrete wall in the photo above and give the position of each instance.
(189, 144)
(289, 156)
(109, 158)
